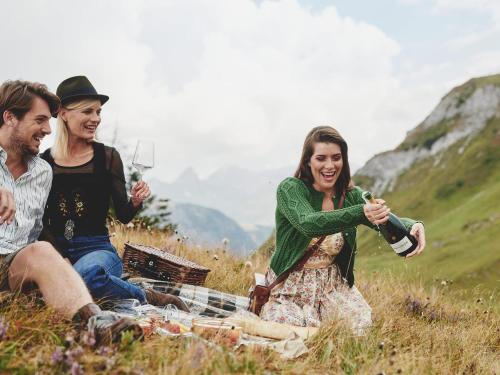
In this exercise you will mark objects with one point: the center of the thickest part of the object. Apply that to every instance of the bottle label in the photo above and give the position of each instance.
(402, 245)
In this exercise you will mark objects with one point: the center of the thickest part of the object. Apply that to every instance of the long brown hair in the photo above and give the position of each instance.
(324, 134)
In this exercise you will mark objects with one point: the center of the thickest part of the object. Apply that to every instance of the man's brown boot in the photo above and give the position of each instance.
(156, 298)
(107, 327)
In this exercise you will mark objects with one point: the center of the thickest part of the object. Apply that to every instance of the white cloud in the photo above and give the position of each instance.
(222, 82)
(470, 40)
(410, 2)
(469, 5)
(473, 52)
(264, 76)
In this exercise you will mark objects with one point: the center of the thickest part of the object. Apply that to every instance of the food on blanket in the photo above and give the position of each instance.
(171, 327)
(183, 328)
(149, 325)
(175, 327)
(232, 335)
(225, 333)
(258, 327)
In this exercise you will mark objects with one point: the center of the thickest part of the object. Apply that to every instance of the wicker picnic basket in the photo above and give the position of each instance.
(154, 263)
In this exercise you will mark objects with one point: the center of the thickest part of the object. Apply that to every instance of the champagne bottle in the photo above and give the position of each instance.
(394, 232)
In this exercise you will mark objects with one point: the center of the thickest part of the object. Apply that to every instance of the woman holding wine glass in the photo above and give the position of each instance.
(311, 271)
(86, 176)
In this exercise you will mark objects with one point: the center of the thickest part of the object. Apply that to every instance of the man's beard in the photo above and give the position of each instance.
(17, 145)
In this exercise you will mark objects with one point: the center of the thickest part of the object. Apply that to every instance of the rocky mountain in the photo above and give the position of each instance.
(243, 195)
(447, 173)
(258, 233)
(211, 228)
(459, 117)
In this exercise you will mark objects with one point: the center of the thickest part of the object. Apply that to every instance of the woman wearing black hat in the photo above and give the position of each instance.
(86, 175)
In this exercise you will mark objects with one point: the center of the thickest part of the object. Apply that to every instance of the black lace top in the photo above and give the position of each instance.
(79, 199)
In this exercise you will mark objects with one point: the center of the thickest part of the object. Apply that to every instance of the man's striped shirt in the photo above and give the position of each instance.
(30, 192)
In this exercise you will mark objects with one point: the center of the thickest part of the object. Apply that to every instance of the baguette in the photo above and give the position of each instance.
(272, 330)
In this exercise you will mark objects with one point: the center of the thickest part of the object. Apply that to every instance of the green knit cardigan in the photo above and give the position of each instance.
(299, 219)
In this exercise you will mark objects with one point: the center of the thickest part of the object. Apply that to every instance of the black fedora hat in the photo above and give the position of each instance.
(76, 88)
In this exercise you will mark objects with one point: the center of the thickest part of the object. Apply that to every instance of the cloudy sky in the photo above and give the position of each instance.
(239, 82)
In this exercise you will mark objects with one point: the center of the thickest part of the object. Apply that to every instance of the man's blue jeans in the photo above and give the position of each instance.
(99, 265)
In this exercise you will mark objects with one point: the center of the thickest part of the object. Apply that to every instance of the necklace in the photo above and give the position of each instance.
(83, 154)
(73, 160)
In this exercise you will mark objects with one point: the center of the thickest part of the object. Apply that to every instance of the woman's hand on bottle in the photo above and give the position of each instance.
(418, 231)
(377, 213)
(139, 193)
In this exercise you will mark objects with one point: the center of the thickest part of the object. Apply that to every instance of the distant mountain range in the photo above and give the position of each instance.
(232, 203)
(211, 228)
(244, 195)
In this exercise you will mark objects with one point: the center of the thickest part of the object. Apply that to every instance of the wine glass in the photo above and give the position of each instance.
(144, 156)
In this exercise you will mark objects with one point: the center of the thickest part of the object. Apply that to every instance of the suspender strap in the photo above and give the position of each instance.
(47, 157)
(99, 157)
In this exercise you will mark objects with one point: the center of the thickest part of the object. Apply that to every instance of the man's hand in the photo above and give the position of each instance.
(7, 206)
(418, 231)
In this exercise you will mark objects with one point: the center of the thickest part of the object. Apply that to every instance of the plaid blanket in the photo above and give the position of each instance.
(200, 300)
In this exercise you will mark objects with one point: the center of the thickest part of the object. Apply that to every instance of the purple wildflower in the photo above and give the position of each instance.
(87, 339)
(77, 352)
(73, 355)
(76, 369)
(58, 355)
(104, 350)
(4, 326)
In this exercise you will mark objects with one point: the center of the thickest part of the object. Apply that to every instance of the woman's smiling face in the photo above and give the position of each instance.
(83, 123)
(326, 164)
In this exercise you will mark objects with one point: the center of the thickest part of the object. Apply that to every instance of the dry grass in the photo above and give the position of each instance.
(415, 331)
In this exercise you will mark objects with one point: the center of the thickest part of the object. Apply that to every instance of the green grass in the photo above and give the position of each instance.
(416, 329)
(468, 88)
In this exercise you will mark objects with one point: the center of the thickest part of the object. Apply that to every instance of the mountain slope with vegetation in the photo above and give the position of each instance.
(451, 183)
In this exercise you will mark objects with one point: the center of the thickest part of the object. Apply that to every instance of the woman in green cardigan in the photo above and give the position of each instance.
(307, 209)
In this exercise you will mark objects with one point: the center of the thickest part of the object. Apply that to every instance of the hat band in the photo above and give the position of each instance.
(83, 91)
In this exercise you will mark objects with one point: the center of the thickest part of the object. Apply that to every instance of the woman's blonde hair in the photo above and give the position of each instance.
(60, 148)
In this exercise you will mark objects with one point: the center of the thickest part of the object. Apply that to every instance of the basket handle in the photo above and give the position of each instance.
(150, 270)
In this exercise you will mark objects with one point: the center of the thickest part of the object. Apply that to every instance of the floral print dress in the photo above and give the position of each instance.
(317, 293)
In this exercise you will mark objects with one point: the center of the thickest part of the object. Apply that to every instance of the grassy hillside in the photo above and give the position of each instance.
(458, 198)
(425, 137)
(416, 330)
(471, 85)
